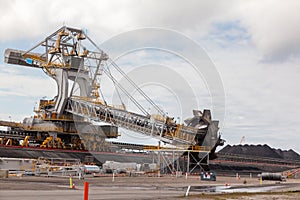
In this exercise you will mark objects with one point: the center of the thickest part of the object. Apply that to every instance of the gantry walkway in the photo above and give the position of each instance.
(172, 133)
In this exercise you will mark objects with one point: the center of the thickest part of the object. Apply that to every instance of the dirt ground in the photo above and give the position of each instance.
(144, 187)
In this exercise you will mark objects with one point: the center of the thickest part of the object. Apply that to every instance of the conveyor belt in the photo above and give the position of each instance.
(175, 134)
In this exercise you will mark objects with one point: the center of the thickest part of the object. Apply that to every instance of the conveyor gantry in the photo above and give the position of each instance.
(175, 134)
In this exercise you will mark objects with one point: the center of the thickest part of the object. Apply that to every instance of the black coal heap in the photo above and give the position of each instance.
(261, 151)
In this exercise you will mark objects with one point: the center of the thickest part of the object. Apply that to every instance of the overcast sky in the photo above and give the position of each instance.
(254, 46)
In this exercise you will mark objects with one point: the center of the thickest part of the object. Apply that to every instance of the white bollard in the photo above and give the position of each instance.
(187, 191)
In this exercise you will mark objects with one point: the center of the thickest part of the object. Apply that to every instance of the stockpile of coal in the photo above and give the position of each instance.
(260, 151)
(245, 159)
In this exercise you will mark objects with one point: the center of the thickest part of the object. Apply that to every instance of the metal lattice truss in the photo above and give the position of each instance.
(175, 134)
(67, 49)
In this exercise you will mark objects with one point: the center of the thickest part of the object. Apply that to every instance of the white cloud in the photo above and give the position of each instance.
(273, 26)
(261, 98)
(14, 83)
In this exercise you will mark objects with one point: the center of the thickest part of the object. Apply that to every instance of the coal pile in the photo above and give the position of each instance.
(260, 151)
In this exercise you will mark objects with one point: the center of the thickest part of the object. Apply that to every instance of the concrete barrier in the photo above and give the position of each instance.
(3, 173)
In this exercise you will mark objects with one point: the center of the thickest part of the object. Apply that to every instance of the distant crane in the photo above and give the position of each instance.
(242, 139)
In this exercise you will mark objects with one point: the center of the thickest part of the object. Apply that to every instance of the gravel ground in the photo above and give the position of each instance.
(144, 187)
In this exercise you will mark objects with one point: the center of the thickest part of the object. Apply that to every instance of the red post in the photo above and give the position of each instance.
(86, 191)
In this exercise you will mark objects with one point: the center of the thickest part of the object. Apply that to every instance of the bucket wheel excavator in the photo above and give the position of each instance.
(76, 63)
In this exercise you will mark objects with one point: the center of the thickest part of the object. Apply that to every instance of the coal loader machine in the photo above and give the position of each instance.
(79, 120)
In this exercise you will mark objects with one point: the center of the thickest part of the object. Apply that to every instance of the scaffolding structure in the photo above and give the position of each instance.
(170, 160)
(57, 167)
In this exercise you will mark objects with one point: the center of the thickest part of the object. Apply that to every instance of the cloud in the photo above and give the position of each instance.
(21, 88)
(14, 82)
(261, 100)
(272, 26)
